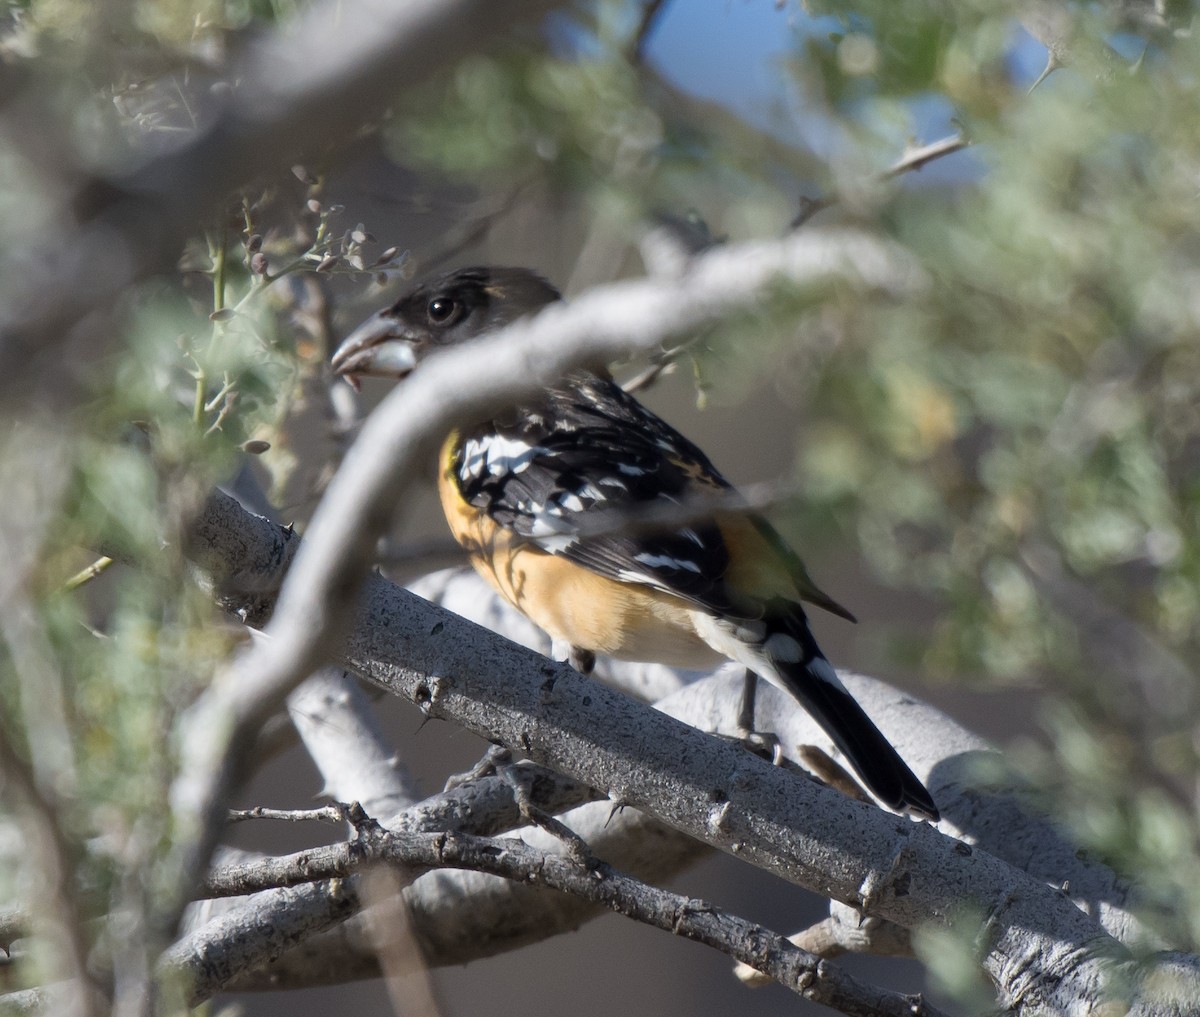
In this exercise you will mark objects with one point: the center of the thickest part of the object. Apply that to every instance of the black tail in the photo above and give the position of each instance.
(812, 680)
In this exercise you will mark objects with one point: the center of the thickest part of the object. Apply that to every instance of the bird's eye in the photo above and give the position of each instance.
(442, 310)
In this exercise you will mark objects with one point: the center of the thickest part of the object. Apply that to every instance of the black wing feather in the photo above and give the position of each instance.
(587, 448)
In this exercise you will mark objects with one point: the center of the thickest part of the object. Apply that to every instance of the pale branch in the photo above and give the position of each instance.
(996, 820)
(486, 805)
(44, 999)
(316, 603)
(463, 916)
(239, 940)
(241, 556)
(1044, 954)
(604, 886)
(289, 92)
(325, 814)
(339, 731)
(1041, 949)
(333, 716)
(440, 901)
(900, 871)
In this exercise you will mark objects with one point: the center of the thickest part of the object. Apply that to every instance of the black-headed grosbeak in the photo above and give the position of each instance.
(515, 489)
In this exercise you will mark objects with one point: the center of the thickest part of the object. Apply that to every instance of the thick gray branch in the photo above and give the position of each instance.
(1038, 946)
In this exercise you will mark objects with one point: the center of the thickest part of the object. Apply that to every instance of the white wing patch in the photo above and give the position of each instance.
(643, 579)
(665, 561)
(556, 543)
(496, 455)
(567, 502)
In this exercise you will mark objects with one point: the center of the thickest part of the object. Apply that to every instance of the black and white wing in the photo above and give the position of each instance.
(591, 457)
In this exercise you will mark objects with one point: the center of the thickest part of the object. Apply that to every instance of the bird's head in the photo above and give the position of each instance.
(462, 305)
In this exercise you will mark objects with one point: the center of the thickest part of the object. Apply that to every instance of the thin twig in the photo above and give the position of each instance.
(86, 575)
(912, 160)
(922, 155)
(249, 936)
(766, 951)
(329, 814)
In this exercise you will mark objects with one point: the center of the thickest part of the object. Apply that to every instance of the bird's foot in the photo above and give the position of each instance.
(762, 743)
(765, 744)
(582, 660)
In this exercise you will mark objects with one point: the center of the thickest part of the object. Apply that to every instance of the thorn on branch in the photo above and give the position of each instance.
(1053, 63)
(808, 207)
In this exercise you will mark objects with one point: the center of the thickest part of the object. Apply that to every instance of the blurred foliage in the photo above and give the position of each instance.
(1018, 443)
(94, 676)
(1021, 444)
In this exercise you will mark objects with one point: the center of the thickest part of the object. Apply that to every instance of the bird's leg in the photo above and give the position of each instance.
(762, 743)
(745, 715)
(582, 660)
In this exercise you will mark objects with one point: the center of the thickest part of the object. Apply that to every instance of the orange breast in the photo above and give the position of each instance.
(570, 602)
